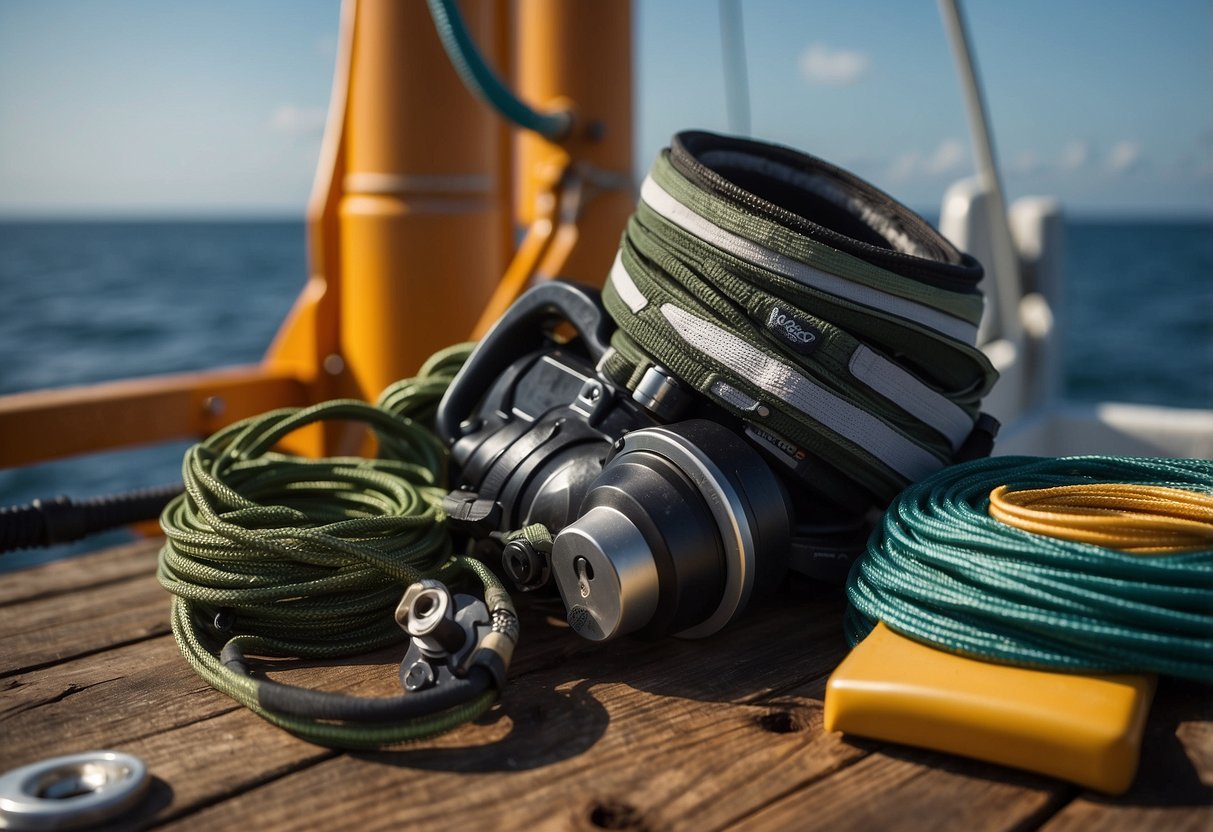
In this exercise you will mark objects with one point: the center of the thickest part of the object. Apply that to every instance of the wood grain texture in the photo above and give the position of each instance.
(76, 574)
(561, 759)
(658, 734)
(903, 788)
(1174, 785)
(54, 628)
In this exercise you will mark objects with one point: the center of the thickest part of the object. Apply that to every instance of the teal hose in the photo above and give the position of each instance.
(482, 81)
(940, 570)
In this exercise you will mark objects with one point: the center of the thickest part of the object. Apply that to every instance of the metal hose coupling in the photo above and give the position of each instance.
(450, 634)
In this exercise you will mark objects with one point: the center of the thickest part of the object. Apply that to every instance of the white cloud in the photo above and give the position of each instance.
(1125, 156)
(827, 66)
(1075, 155)
(1026, 164)
(948, 158)
(905, 165)
(298, 121)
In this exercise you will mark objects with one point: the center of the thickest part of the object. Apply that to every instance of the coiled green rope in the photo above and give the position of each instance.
(292, 557)
(939, 569)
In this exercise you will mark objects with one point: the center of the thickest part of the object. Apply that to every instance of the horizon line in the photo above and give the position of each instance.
(151, 215)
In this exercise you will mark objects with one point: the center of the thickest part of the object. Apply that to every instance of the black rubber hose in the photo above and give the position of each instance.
(63, 520)
(317, 704)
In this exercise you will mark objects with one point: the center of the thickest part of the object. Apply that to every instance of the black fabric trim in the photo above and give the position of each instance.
(830, 223)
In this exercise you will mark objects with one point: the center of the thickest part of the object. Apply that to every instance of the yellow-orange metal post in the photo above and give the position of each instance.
(407, 229)
(578, 54)
(420, 216)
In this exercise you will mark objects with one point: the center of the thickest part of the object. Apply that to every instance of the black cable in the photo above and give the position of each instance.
(64, 520)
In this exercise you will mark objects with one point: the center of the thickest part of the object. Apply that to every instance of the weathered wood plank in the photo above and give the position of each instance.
(145, 696)
(658, 734)
(1174, 785)
(912, 789)
(558, 759)
(60, 627)
(111, 697)
(81, 573)
(668, 756)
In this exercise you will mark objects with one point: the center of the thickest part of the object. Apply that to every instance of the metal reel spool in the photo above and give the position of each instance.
(684, 524)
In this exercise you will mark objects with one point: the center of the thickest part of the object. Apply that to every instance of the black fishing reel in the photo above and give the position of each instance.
(647, 510)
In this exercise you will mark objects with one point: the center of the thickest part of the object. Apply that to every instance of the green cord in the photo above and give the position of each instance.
(295, 557)
(939, 569)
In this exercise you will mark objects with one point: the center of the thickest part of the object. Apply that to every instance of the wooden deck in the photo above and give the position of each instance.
(635, 735)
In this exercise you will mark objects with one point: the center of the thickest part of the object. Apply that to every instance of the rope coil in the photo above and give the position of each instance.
(1132, 518)
(942, 570)
(282, 556)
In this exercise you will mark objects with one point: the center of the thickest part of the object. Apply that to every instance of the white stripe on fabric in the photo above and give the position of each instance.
(729, 394)
(671, 209)
(780, 380)
(899, 386)
(625, 286)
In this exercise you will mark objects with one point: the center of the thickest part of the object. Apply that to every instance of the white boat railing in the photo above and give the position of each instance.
(1028, 398)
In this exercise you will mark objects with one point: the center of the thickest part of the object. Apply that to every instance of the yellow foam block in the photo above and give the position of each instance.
(1082, 728)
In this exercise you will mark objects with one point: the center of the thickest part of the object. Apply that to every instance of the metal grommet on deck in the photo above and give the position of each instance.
(71, 791)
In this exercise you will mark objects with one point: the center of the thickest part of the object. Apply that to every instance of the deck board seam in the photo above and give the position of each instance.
(812, 780)
(57, 660)
(322, 756)
(785, 688)
(235, 707)
(71, 690)
(48, 594)
(1057, 801)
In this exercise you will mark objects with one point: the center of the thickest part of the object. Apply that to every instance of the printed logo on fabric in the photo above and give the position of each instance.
(776, 443)
(795, 332)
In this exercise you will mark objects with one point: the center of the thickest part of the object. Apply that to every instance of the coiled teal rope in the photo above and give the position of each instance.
(939, 569)
(295, 557)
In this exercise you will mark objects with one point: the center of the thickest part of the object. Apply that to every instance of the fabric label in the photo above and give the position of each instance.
(790, 328)
(784, 450)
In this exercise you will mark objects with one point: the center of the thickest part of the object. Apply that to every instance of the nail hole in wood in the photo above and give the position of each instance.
(613, 814)
(785, 721)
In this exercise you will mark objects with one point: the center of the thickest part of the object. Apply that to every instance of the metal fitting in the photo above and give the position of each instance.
(529, 566)
(427, 613)
(661, 394)
(452, 633)
(71, 792)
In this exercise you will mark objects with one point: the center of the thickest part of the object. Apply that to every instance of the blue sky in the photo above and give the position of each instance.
(163, 107)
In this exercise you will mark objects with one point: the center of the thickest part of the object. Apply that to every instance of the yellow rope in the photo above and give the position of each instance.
(1142, 519)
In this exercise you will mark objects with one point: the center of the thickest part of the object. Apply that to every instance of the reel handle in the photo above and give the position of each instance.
(520, 330)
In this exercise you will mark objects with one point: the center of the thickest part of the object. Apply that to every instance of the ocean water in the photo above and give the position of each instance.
(96, 301)
(93, 301)
(1139, 312)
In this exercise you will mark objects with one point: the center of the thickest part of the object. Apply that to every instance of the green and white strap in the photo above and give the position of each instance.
(824, 352)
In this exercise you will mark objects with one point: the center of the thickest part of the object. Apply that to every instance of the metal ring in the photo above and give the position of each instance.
(71, 791)
(728, 507)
